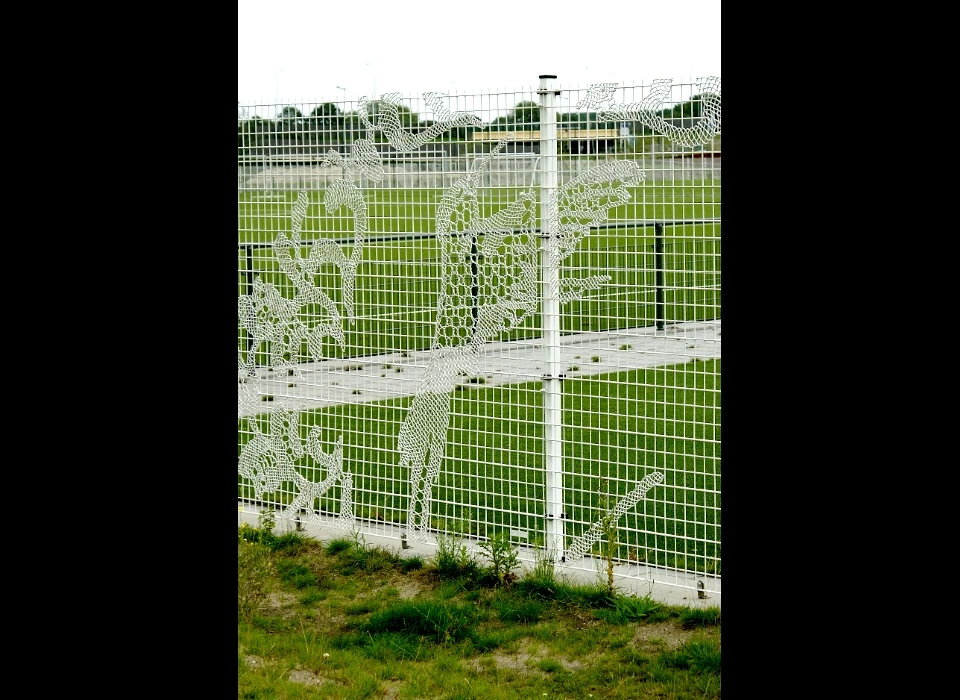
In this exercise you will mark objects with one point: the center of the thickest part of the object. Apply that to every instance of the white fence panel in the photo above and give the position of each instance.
(487, 313)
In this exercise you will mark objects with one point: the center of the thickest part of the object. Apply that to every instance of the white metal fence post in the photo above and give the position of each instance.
(550, 313)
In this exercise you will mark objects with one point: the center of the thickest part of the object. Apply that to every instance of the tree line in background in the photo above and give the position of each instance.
(326, 126)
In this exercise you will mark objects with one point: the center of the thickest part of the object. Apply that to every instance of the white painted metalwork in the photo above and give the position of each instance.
(550, 313)
(495, 312)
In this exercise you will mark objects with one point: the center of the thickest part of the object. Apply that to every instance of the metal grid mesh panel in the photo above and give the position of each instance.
(486, 313)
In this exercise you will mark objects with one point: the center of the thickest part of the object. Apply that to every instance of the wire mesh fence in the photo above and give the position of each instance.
(488, 313)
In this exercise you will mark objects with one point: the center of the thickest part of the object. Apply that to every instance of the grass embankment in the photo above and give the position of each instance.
(345, 620)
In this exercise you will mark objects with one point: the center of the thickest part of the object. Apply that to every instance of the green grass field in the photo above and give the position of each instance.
(395, 211)
(398, 280)
(616, 428)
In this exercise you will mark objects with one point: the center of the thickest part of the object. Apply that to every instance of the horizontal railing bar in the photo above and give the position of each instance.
(418, 236)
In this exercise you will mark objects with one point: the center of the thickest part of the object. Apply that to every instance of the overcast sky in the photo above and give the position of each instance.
(296, 51)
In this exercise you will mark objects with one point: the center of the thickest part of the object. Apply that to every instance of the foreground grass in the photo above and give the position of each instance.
(342, 619)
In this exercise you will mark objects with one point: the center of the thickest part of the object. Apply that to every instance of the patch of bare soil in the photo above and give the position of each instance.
(663, 634)
(531, 654)
(307, 678)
